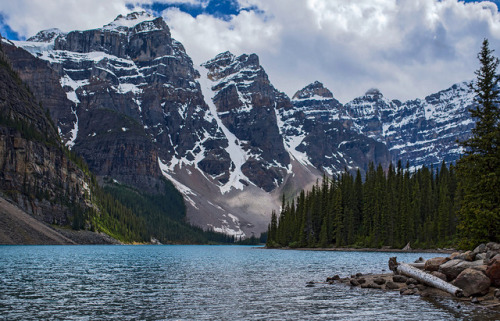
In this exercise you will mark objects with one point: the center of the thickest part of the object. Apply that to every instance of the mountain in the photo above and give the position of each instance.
(317, 133)
(41, 182)
(421, 131)
(128, 99)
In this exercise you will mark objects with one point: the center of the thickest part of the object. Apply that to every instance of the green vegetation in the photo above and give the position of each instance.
(388, 209)
(163, 215)
(479, 170)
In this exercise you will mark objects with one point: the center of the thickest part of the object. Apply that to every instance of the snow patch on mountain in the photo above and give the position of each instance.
(122, 22)
(186, 191)
(234, 149)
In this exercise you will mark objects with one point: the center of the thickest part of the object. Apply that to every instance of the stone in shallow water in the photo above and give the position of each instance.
(391, 285)
(399, 278)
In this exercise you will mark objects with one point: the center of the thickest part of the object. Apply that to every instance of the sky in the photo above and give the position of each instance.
(406, 48)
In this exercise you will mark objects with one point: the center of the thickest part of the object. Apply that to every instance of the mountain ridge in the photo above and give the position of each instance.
(137, 109)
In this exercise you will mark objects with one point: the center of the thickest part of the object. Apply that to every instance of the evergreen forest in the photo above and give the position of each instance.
(389, 208)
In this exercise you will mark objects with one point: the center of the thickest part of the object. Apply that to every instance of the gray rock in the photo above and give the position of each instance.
(421, 287)
(481, 248)
(391, 285)
(481, 256)
(379, 281)
(399, 278)
(411, 281)
(373, 286)
(492, 246)
(454, 267)
(497, 293)
(440, 275)
(408, 292)
(472, 282)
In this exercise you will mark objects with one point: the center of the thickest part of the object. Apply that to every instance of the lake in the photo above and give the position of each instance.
(157, 282)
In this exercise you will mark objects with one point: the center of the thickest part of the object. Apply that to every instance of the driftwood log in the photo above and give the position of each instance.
(423, 277)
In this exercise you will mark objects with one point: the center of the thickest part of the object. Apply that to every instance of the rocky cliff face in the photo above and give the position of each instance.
(317, 132)
(421, 131)
(131, 99)
(35, 172)
(246, 103)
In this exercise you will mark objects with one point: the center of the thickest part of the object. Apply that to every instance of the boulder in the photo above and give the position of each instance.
(489, 256)
(480, 256)
(434, 263)
(472, 282)
(354, 282)
(497, 293)
(440, 275)
(361, 281)
(408, 291)
(467, 256)
(379, 281)
(481, 248)
(421, 287)
(399, 278)
(454, 267)
(411, 281)
(454, 255)
(492, 246)
(493, 270)
(391, 285)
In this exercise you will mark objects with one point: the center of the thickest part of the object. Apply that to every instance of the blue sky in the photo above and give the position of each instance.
(407, 49)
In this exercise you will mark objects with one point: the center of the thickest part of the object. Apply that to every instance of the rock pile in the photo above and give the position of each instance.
(476, 272)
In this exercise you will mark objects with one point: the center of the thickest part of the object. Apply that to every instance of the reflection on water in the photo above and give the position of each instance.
(203, 283)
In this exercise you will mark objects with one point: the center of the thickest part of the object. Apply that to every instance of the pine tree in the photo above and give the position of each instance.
(479, 170)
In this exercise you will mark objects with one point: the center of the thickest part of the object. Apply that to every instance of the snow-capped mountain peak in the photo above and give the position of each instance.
(46, 35)
(316, 90)
(129, 21)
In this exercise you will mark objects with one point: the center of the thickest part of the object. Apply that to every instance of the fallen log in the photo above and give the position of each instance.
(423, 277)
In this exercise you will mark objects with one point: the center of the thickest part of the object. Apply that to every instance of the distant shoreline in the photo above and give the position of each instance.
(351, 249)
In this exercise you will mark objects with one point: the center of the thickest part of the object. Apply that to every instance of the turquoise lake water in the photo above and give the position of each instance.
(203, 283)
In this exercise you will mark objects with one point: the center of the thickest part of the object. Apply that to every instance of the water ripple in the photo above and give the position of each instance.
(201, 283)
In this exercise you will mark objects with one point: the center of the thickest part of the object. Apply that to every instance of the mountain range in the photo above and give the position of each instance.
(128, 99)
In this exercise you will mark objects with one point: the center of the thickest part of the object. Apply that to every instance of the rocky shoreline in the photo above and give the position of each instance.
(476, 273)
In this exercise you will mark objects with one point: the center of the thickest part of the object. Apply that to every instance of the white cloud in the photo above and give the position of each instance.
(407, 49)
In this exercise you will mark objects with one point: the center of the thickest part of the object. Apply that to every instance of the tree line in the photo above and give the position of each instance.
(389, 208)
